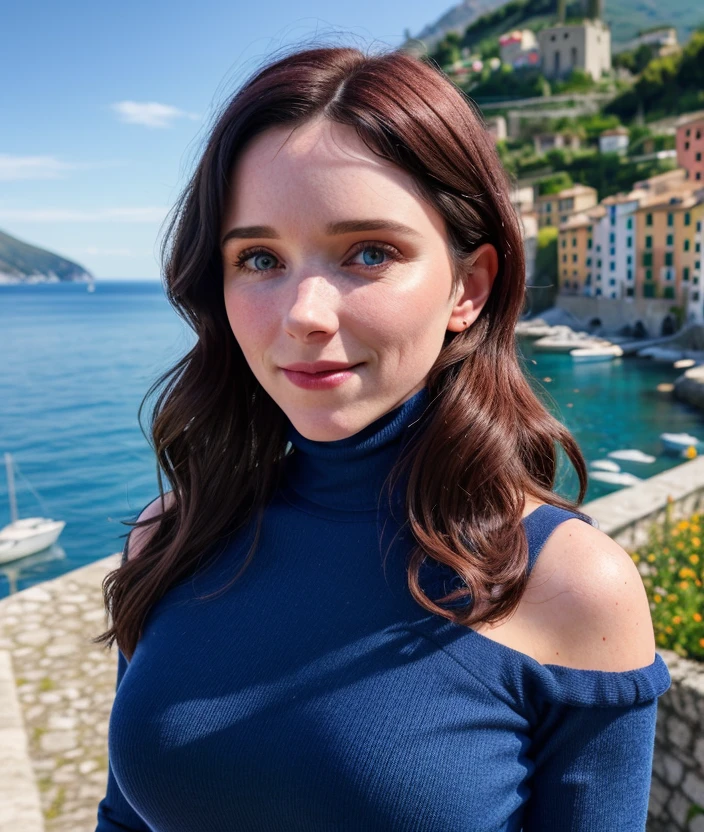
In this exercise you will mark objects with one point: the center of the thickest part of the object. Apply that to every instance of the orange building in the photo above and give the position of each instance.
(575, 252)
(555, 209)
(668, 232)
(690, 147)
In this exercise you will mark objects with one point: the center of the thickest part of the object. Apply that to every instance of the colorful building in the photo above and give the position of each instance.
(574, 254)
(690, 147)
(669, 244)
(556, 209)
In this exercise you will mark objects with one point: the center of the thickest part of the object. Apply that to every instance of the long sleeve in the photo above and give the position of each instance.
(114, 812)
(593, 769)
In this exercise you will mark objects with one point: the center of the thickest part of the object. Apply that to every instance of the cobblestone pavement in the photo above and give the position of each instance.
(65, 687)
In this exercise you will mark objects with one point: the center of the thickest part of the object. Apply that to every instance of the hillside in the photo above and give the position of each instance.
(626, 17)
(23, 263)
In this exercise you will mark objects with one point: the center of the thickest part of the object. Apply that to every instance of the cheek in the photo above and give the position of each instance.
(251, 320)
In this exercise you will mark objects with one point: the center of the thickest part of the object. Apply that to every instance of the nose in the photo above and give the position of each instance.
(313, 312)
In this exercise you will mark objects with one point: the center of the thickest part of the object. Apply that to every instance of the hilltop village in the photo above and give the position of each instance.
(605, 144)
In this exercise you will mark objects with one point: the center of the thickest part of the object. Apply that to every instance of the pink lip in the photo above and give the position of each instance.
(322, 375)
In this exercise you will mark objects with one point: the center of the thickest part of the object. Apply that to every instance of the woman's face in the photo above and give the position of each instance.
(330, 256)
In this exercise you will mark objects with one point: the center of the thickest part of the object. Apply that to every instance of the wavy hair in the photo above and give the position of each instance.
(487, 440)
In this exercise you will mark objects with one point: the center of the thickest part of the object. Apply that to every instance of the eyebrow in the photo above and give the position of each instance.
(333, 228)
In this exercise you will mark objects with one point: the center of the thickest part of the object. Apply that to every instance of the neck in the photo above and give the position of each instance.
(349, 474)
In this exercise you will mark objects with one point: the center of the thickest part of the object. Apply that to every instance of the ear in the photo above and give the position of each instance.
(475, 287)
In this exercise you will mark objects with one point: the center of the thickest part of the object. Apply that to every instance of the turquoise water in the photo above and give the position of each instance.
(76, 365)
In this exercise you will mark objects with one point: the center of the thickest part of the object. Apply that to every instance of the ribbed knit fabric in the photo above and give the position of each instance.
(315, 695)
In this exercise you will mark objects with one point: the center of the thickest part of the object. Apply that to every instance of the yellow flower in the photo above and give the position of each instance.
(651, 557)
(694, 558)
(635, 558)
(680, 545)
(675, 532)
(684, 585)
(668, 629)
(698, 582)
(657, 598)
(662, 638)
(672, 597)
(701, 642)
(694, 528)
(666, 551)
(685, 572)
(676, 619)
(682, 525)
(695, 518)
(697, 616)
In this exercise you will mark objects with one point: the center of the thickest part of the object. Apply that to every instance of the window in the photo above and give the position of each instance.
(612, 266)
(598, 247)
(598, 264)
(698, 157)
(598, 291)
(563, 242)
(686, 145)
(670, 239)
(670, 219)
(695, 295)
(589, 261)
(649, 290)
(629, 242)
(697, 247)
(612, 282)
(648, 219)
(612, 238)
(548, 207)
(647, 258)
(668, 258)
(612, 251)
(629, 274)
(685, 273)
(648, 274)
(629, 260)
(648, 241)
(564, 258)
(574, 242)
(686, 245)
(699, 225)
(668, 292)
(589, 242)
(629, 222)
(698, 175)
(629, 292)
(699, 134)
(687, 218)
(574, 258)
(688, 132)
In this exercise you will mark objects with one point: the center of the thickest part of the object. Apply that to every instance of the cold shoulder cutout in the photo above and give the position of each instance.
(316, 694)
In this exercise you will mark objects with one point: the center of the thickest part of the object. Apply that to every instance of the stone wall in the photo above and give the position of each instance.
(677, 789)
(614, 314)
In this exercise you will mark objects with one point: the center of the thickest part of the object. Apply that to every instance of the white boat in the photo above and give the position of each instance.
(29, 535)
(91, 287)
(591, 354)
(613, 478)
(606, 465)
(631, 455)
(677, 442)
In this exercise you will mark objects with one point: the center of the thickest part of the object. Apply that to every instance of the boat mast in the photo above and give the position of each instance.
(11, 488)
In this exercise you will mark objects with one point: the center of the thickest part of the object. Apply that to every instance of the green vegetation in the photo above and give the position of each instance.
(667, 86)
(554, 183)
(635, 61)
(21, 260)
(673, 581)
(543, 288)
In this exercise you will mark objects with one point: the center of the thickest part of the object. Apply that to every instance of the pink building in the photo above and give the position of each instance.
(690, 147)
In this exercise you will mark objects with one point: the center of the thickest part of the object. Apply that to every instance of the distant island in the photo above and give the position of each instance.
(23, 263)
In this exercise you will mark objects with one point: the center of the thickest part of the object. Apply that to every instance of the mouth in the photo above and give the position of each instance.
(323, 375)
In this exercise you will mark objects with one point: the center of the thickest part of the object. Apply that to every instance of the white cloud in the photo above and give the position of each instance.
(13, 168)
(30, 167)
(149, 214)
(150, 113)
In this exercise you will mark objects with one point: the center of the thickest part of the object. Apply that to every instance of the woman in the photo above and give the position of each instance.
(336, 619)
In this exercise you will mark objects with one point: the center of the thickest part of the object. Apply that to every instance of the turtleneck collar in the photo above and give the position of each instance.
(347, 475)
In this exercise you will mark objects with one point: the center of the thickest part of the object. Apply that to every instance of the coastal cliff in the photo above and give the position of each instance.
(23, 263)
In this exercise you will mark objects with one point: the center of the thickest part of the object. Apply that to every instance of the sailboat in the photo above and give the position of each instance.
(29, 535)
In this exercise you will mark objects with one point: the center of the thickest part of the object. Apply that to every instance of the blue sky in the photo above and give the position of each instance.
(104, 107)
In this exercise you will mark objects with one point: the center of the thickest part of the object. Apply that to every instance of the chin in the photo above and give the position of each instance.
(328, 425)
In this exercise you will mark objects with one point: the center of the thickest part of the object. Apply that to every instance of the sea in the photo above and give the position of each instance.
(75, 366)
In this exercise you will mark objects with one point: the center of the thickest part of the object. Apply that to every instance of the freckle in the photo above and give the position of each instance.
(603, 638)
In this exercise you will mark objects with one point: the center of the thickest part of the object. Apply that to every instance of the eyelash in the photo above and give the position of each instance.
(385, 247)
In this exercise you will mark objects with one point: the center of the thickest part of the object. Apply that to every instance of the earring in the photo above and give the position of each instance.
(464, 323)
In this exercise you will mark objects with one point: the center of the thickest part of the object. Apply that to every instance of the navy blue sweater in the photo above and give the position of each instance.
(316, 695)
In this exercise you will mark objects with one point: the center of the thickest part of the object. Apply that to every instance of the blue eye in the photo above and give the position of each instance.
(373, 254)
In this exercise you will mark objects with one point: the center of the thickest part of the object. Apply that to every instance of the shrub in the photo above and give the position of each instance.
(672, 569)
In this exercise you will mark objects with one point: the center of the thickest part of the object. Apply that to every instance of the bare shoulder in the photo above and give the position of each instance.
(587, 600)
(140, 536)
